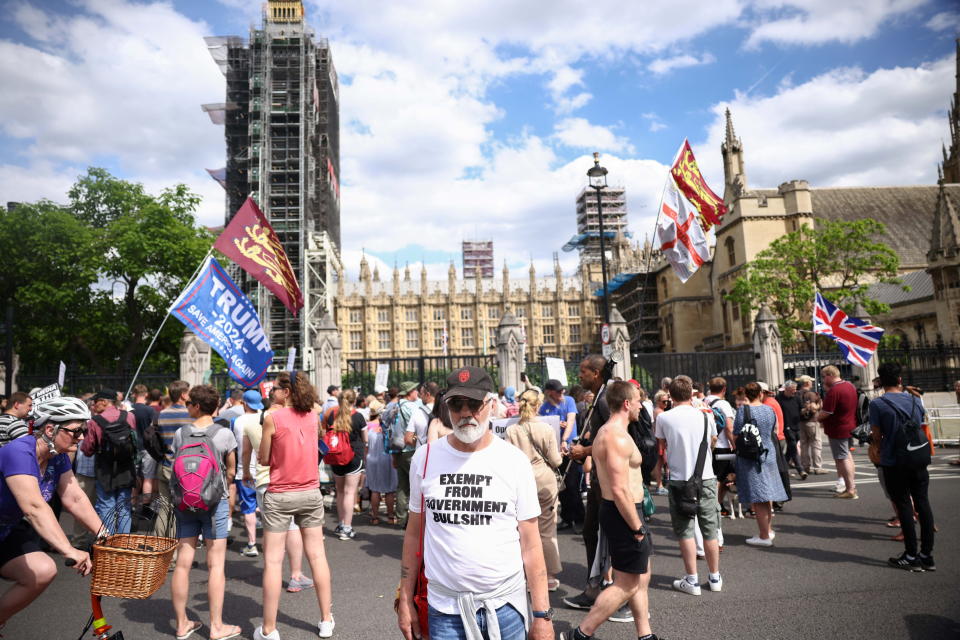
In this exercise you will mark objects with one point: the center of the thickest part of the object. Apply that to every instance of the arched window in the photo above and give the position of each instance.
(731, 251)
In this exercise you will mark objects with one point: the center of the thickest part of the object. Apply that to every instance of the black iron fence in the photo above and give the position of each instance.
(737, 367)
(362, 372)
(79, 383)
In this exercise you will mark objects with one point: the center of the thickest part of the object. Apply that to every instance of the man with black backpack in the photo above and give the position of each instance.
(904, 451)
(112, 437)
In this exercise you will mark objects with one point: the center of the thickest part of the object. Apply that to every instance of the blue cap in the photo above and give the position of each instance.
(251, 398)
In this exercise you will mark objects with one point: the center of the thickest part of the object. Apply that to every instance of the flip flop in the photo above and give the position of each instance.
(374, 520)
(229, 635)
(193, 629)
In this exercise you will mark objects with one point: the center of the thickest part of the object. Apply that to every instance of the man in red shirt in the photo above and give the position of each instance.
(838, 417)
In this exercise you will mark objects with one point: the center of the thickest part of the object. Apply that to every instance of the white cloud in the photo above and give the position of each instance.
(945, 21)
(812, 22)
(661, 66)
(578, 133)
(118, 81)
(842, 128)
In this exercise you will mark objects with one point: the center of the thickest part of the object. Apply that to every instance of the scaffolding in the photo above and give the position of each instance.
(614, 200)
(477, 259)
(281, 120)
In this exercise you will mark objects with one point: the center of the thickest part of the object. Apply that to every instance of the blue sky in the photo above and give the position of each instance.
(462, 120)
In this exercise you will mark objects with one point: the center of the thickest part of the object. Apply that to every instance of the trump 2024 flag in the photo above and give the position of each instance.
(856, 338)
(251, 242)
(214, 308)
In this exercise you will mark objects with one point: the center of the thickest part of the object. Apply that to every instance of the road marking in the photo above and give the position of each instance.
(813, 485)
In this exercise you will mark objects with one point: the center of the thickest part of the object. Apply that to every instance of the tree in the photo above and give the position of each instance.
(841, 259)
(111, 233)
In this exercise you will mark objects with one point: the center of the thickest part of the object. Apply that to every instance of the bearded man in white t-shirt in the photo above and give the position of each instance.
(680, 432)
(476, 498)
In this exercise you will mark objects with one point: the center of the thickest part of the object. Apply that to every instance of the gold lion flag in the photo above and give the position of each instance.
(251, 242)
(686, 174)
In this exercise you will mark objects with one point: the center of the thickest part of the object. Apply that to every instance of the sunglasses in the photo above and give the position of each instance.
(457, 404)
(75, 433)
(191, 403)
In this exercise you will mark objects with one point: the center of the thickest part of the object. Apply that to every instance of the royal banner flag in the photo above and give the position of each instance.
(251, 242)
(214, 308)
(690, 181)
(857, 339)
(682, 241)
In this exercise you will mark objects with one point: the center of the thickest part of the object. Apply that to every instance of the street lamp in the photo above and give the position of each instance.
(598, 180)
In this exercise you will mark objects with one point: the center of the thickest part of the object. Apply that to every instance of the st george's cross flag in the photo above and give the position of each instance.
(682, 241)
(857, 339)
(251, 242)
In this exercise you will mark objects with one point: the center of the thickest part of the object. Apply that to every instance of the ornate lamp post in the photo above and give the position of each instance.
(598, 180)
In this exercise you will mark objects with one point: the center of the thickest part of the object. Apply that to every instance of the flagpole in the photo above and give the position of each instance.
(816, 361)
(164, 322)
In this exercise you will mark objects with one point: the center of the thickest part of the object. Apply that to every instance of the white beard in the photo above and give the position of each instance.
(469, 431)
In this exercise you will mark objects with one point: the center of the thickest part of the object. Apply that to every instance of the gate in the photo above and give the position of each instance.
(737, 367)
(362, 372)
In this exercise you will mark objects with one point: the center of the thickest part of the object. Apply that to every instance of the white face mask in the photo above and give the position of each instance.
(468, 430)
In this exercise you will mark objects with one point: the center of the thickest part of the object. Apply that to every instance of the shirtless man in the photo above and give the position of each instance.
(621, 517)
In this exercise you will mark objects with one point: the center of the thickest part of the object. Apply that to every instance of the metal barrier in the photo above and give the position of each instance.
(361, 372)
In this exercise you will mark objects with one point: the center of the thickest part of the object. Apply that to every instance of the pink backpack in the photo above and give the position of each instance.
(197, 482)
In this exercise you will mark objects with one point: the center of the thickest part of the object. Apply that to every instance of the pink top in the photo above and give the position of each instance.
(294, 457)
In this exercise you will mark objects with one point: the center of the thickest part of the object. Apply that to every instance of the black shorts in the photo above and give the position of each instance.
(626, 553)
(723, 468)
(353, 467)
(21, 540)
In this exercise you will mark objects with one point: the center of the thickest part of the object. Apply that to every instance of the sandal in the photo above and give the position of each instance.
(193, 629)
(232, 634)
(374, 520)
(392, 520)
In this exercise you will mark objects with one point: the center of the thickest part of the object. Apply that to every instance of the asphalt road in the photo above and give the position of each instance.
(826, 577)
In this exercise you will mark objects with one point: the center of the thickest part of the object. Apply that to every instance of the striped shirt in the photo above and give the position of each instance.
(85, 465)
(169, 422)
(11, 428)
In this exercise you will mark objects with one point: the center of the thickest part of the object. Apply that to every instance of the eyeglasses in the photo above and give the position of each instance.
(457, 404)
(79, 432)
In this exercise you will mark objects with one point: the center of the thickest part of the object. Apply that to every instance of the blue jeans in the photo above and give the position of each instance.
(214, 524)
(445, 626)
(113, 507)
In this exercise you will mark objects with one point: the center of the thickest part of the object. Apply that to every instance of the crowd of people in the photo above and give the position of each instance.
(480, 513)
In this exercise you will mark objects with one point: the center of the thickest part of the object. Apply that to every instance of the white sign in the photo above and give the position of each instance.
(383, 372)
(557, 370)
(291, 357)
(605, 334)
(47, 393)
(62, 374)
(606, 350)
(500, 425)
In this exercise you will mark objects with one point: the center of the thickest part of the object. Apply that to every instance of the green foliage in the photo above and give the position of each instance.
(92, 281)
(838, 258)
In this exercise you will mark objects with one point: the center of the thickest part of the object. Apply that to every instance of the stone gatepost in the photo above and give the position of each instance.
(510, 358)
(13, 377)
(619, 344)
(768, 348)
(327, 348)
(868, 373)
(194, 358)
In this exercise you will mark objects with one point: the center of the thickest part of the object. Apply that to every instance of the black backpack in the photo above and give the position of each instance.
(116, 461)
(749, 443)
(863, 408)
(910, 443)
(153, 442)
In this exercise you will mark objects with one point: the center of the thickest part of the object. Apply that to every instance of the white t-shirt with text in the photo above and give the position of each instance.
(473, 502)
(419, 422)
(682, 428)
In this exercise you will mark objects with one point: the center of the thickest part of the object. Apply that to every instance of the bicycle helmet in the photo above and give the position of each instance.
(63, 409)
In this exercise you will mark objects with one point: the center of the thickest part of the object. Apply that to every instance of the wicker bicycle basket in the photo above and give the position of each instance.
(131, 565)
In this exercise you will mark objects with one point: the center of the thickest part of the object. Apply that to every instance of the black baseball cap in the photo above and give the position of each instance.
(469, 382)
(105, 394)
(553, 385)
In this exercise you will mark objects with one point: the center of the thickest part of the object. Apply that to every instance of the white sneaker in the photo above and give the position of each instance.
(772, 535)
(686, 587)
(840, 486)
(757, 541)
(259, 635)
(715, 585)
(326, 628)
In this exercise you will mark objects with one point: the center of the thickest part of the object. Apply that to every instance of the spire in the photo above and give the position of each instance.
(376, 274)
(731, 138)
(406, 272)
(945, 241)
(734, 173)
(951, 154)
(364, 267)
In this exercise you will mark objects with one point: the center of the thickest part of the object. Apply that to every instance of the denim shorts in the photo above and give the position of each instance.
(446, 626)
(214, 524)
(246, 498)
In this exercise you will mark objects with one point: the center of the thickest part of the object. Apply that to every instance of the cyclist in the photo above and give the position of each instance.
(32, 469)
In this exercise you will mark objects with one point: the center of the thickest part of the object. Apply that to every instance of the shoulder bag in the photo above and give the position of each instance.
(686, 496)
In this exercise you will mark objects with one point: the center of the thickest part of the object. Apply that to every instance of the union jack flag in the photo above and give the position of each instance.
(857, 339)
